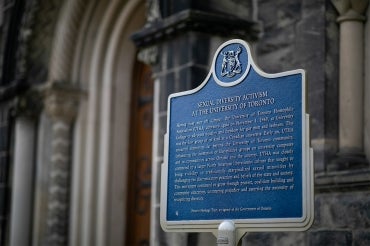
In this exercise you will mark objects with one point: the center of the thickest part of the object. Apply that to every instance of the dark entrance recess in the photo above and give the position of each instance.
(140, 159)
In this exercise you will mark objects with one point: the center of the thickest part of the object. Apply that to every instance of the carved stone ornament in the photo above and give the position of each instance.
(149, 55)
(61, 101)
(351, 9)
(154, 13)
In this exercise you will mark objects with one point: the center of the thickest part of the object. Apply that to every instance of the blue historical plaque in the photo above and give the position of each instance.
(237, 148)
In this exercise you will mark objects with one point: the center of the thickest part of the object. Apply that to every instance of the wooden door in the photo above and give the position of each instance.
(139, 180)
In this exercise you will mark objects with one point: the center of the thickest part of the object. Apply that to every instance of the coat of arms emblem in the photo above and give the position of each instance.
(230, 63)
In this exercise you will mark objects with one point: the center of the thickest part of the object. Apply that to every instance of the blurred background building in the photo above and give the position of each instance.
(83, 104)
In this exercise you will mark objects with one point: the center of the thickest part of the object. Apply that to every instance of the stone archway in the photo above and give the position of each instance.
(94, 54)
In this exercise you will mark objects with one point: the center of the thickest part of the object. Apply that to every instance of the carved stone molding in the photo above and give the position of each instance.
(59, 185)
(61, 105)
(351, 9)
(64, 43)
(148, 55)
(344, 6)
(61, 101)
(153, 13)
(196, 20)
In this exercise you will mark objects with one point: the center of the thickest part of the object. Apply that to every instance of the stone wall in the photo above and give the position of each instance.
(304, 34)
(367, 88)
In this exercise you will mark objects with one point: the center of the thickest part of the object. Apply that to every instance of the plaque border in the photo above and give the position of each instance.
(247, 225)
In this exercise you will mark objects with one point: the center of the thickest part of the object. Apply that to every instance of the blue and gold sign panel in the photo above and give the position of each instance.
(237, 148)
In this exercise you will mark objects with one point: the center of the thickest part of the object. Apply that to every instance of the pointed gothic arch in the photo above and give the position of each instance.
(93, 52)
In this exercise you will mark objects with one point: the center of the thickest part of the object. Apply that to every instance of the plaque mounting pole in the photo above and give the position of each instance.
(226, 234)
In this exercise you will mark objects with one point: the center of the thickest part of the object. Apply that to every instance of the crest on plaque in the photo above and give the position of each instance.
(230, 63)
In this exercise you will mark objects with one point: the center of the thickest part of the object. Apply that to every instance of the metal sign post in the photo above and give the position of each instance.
(226, 234)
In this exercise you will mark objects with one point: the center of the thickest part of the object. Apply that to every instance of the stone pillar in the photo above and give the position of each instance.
(5, 134)
(21, 204)
(367, 89)
(351, 83)
(26, 110)
(61, 106)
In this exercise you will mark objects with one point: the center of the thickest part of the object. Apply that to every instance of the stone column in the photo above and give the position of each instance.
(61, 106)
(351, 83)
(26, 110)
(22, 182)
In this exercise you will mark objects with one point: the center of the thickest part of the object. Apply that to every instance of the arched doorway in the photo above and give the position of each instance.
(103, 65)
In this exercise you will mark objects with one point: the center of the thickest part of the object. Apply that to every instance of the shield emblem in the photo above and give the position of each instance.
(230, 63)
